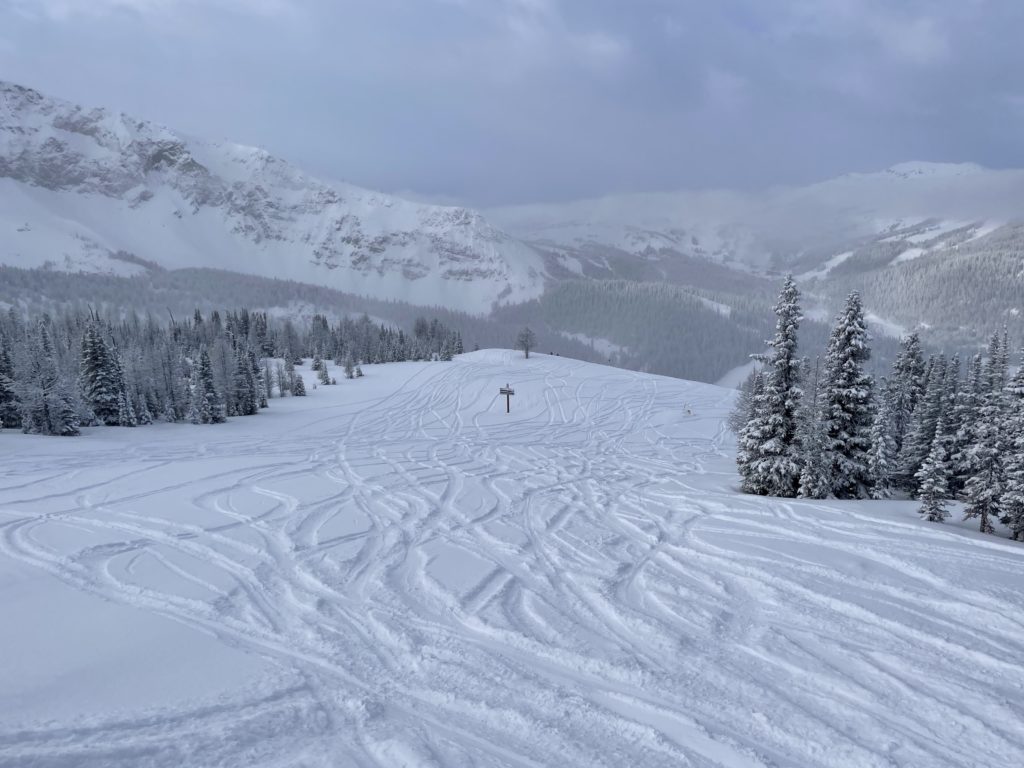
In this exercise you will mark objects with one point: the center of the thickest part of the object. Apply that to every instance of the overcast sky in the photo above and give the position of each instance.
(501, 101)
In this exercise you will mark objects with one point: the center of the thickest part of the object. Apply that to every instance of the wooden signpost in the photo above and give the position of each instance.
(507, 391)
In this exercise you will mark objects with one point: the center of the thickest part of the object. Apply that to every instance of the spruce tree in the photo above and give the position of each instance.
(906, 387)
(268, 384)
(214, 403)
(743, 408)
(814, 476)
(101, 380)
(298, 386)
(64, 421)
(125, 411)
(985, 458)
(1011, 501)
(933, 477)
(847, 403)
(198, 406)
(46, 403)
(813, 480)
(260, 383)
(921, 433)
(246, 401)
(883, 454)
(967, 412)
(771, 456)
(10, 416)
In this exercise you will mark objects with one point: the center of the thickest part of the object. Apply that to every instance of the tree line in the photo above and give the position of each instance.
(64, 371)
(930, 430)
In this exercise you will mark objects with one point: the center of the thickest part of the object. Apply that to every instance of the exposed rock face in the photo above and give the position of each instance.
(80, 185)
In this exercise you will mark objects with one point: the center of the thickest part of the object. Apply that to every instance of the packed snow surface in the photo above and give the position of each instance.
(394, 572)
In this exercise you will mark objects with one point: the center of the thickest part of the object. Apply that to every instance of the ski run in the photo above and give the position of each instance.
(394, 572)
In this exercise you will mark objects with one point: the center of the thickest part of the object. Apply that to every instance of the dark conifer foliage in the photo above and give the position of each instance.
(928, 432)
(847, 404)
(79, 368)
(769, 446)
(10, 413)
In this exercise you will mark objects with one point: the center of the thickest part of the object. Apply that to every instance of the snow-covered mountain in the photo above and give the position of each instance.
(779, 227)
(90, 190)
(86, 189)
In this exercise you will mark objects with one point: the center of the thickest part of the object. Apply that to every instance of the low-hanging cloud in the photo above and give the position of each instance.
(499, 101)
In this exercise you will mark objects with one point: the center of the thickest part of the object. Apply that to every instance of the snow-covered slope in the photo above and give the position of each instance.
(394, 572)
(781, 224)
(87, 189)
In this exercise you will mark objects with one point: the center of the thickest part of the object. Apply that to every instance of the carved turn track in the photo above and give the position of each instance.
(428, 581)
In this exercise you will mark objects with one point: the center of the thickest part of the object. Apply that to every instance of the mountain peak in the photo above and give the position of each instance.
(80, 187)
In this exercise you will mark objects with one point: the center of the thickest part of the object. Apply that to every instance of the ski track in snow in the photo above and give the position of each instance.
(577, 583)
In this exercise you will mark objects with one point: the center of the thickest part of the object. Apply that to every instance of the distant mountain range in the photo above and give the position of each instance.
(937, 247)
(779, 228)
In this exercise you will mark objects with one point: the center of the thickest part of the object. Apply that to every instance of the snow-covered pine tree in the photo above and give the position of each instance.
(742, 410)
(298, 385)
(985, 459)
(63, 413)
(10, 416)
(359, 372)
(846, 406)
(771, 454)
(215, 405)
(46, 403)
(967, 408)
(813, 480)
(321, 373)
(100, 376)
(1012, 500)
(268, 382)
(246, 399)
(983, 492)
(261, 383)
(933, 477)
(950, 398)
(350, 366)
(289, 370)
(921, 434)
(198, 405)
(906, 387)
(882, 459)
(125, 411)
(998, 360)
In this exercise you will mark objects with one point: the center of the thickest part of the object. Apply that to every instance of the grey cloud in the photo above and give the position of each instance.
(498, 101)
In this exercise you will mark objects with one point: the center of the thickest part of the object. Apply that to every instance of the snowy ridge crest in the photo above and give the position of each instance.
(80, 185)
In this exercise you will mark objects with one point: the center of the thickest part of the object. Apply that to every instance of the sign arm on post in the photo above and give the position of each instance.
(507, 391)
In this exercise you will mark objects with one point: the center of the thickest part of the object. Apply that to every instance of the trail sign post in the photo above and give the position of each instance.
(507, 391)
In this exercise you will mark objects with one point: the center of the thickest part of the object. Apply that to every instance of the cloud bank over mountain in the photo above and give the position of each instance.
(544, 100)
